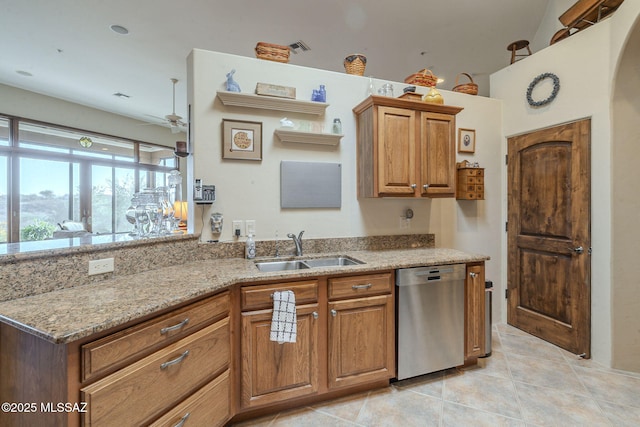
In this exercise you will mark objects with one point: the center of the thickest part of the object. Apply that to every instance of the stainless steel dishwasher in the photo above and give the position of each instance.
(430, 319)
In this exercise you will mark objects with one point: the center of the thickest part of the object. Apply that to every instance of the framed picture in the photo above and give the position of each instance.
(466, 140)
(241, 140)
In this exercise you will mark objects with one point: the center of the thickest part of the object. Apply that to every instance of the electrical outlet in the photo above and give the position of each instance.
(236, 228)
(404, 223)
(100, 266)
(250, 227)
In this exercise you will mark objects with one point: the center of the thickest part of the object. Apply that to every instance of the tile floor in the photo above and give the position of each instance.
(525, 382)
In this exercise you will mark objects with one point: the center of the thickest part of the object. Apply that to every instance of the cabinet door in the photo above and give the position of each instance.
(273, 372)
(437, 155)
(396, 151)
(361, 341)
(474, 329)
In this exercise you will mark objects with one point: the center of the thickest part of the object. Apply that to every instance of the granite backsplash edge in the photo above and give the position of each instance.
(49, 271)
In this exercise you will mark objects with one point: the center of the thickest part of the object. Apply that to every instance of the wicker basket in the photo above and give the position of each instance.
(423, 77)
(272, 52)
(468, 88)
(355, 64)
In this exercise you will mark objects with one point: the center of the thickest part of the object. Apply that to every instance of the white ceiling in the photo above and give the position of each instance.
(72, 54)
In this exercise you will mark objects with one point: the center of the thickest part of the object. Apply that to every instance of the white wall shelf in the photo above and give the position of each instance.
(308, 137)
(248, 100)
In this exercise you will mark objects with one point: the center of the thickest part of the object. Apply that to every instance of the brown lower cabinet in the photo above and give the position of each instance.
(474, 309)
(210, 361)
(345, 337)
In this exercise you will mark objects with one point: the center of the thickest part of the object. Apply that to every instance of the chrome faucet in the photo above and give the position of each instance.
(297, 241)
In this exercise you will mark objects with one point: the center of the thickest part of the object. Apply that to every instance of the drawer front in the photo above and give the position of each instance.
(209, 406)
(470, 196)
(467, 180)
(261, 296)
(467, 172)
(141, 391)
(470, 172)
(356, 286)
(106, 352)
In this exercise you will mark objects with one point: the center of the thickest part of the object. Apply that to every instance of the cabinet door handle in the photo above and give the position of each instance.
(182, 420)
(367, 286)
(413, 186)
(426, 186)
(334, 313)
(473, 275)
(315, 314)
(175, 361)
(180, 325)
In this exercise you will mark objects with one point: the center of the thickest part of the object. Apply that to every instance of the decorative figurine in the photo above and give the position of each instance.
(286, 123)
(232, 85)
(319, 95)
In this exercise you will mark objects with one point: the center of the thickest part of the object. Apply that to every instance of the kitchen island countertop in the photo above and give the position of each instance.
(67, 315)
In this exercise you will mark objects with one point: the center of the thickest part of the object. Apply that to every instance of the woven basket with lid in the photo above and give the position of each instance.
(355, 64)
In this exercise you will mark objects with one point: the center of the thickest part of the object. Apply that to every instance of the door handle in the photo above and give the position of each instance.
(577, 250)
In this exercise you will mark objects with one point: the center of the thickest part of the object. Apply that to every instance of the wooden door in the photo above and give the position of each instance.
(361, 340)
(549, 237)
(437, 155)
(396, 151)
(273, 372)
(474, 309)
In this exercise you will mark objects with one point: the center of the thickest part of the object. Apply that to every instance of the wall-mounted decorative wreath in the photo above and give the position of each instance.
(538, 79)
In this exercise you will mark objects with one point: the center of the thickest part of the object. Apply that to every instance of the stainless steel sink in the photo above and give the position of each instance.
(307, 263)
(332, 262)
(281, 265)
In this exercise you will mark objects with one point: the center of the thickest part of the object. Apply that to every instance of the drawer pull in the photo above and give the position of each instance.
(182, 420)
(367, 286)
(175, 361)
(334, 313)
(315, 314)
(180, 325)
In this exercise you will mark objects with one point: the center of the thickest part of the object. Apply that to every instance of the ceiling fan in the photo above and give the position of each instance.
(173, 119)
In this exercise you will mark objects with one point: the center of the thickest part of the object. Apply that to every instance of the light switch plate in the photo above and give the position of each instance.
(250, 225)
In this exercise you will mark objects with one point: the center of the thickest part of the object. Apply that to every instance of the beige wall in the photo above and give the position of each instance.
(586, 64)
(251, 190)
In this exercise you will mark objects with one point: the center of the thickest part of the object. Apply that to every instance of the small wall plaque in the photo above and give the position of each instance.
(275, 90)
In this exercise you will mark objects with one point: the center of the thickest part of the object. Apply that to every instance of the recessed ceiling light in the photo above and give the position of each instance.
(119, 29)
(24, 73)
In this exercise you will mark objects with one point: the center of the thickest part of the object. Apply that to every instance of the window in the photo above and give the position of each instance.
(50, 174)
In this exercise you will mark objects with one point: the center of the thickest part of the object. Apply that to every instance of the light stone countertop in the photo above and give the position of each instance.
(66, 315)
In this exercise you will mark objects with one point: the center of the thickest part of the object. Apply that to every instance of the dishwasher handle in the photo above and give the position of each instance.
(425, 275)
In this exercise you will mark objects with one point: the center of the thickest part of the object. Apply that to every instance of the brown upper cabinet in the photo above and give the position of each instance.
(405, 148)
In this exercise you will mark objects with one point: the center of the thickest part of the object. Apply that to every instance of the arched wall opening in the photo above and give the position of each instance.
(625, 227)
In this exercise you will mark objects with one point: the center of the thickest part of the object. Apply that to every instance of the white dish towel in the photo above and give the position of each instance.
(284, 321)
